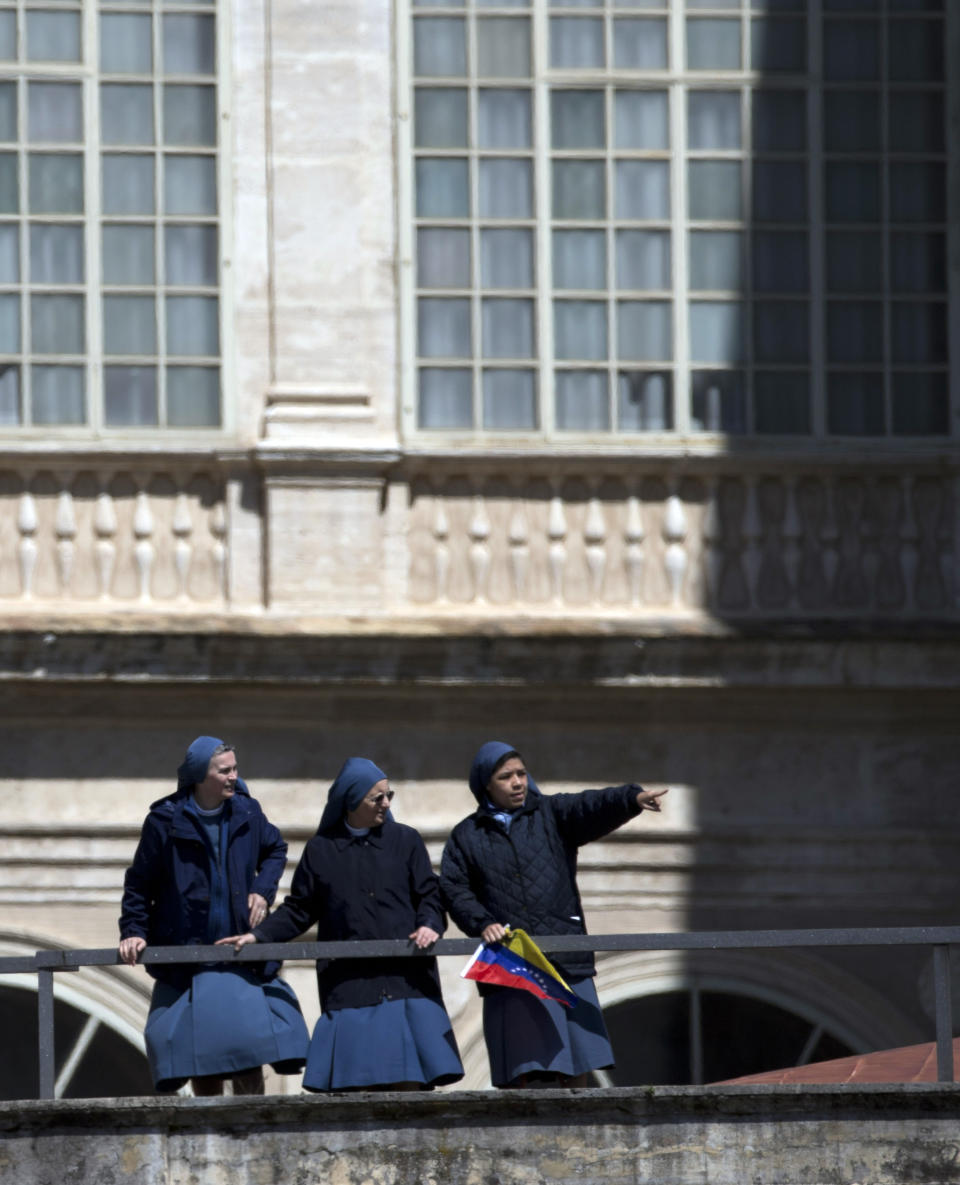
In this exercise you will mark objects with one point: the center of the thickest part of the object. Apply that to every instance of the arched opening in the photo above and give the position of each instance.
(98, 1017)
(695, 1017)
(92, 1059)
(693, 1036)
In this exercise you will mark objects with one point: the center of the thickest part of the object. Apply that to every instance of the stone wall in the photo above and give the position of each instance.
(884, 1135)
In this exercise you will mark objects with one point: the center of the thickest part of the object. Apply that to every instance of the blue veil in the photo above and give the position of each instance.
(349, 789)
(486, 761)
(193, 768)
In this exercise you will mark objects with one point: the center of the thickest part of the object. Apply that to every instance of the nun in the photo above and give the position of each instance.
(363, 875)
(207, 864)
(513, 862)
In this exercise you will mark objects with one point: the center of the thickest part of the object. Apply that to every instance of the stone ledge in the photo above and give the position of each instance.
(884, 1135)
(388, 655)
(623, 1106)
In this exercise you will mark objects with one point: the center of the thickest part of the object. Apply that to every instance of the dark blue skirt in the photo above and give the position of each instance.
(525, 1034)
(226, 1021)
(393, 1041)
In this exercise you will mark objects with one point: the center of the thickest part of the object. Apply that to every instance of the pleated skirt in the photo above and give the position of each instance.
(525, 1034)
(390, 1042)
(226, 1021)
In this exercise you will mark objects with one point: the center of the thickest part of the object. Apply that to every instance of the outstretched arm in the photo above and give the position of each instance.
(592, 814)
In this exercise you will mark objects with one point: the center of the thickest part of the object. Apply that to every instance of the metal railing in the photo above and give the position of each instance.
(47, 963)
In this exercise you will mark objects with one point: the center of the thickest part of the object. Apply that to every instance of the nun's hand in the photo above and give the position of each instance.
(423, 937)
(256, 908)
(130, 949)
(649, 800)
(237, 941)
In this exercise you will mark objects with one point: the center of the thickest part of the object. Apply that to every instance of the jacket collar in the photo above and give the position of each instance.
(343, 839)
(487, 813)
(185, 824)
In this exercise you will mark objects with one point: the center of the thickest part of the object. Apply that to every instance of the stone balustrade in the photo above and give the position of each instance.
(84, 537)
(567, 536)
(786, 542)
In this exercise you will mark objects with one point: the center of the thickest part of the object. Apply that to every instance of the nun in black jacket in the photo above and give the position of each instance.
(364, 875)
(513, 862)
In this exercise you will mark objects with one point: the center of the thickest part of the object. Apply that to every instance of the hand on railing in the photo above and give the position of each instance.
(238, 941)
(130, 949)
(423, 937)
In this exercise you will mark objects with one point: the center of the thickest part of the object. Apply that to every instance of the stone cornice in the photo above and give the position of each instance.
(616, 657)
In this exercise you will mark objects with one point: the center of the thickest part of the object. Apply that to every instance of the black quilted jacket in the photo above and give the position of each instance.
(527, 876)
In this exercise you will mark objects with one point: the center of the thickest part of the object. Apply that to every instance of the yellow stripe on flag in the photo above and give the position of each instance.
(520, 942)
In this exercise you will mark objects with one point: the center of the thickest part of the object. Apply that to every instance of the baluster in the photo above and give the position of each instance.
(851, 588)
(595, 538)
(890, 587)
(675, 557)
(479, 532)
(633, 553)
(518, 538)
(772, 586)
(812, 580)
(218, 532)
(557, 549)
(909, 537)
(830, 541)
(752, 531)
(945, 542)
(870, 540)
(928, 515)
(65, 528)
(143, 550)
(105, 528)
(710, 532)
(182, 527)
(732, 583)
(441, 535)
(792, 532)
(27, 523)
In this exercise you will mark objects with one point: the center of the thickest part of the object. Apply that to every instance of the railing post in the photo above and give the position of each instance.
(45, 1033)
(944, 1012)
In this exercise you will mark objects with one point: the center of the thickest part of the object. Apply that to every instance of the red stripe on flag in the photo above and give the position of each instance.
(484, 972)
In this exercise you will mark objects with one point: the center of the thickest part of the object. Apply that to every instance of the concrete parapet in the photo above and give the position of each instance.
(661, 1135)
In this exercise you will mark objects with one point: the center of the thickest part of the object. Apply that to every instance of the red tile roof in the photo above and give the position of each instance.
(910, 1063)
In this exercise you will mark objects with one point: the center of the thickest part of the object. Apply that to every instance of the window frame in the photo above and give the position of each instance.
(678, 83)
(95, 432)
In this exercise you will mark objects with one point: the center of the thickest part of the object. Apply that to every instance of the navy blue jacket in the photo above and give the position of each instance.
(379, 885)
(527, 876)
(166, 891)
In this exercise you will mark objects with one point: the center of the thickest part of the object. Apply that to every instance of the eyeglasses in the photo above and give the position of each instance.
(383, 796)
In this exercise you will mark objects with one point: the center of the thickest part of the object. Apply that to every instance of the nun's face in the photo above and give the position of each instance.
(507, 788)
(220, 782)
(373, 810)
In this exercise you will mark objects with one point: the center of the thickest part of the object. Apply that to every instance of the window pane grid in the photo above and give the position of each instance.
(767, 197)
(109, 228)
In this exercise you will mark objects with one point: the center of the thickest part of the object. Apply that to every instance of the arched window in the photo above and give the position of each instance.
(92, 1056)
(692, 1017)
(98, 1017)
(693, 1036)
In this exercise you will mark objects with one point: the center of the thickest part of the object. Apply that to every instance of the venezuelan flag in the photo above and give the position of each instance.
(518, 962)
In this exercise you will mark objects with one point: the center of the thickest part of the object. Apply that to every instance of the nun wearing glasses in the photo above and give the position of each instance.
(363, 876)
